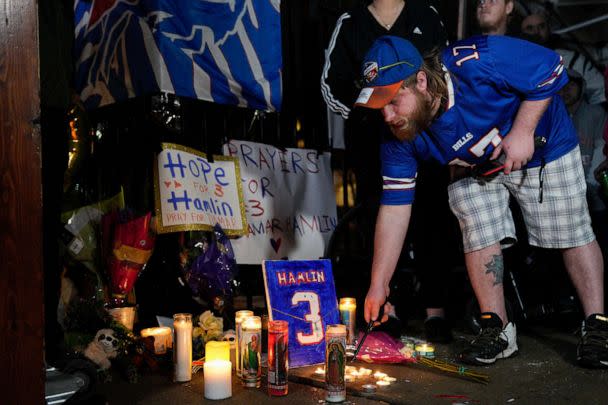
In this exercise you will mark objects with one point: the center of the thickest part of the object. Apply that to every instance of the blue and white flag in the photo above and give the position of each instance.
(225, 51)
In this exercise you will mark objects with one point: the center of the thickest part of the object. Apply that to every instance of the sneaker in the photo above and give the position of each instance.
(493, 342)
(437, 330)
(592, 350)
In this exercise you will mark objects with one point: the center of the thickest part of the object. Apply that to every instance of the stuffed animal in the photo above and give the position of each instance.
(103, 348)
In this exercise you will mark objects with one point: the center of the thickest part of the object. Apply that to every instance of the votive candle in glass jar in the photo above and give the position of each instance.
(278, 366)
(250, 352)
(182, 347)
(161, 336)
(335, 363)
(348, 316)
(239, 316)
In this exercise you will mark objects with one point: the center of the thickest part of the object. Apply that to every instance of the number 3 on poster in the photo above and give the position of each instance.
(313, 317)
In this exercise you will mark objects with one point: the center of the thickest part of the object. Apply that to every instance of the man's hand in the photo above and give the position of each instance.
(518, 145)
(601, 167)
(376, 296)
(518, 149)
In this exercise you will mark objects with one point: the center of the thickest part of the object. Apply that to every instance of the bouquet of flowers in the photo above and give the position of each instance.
(211, 274)
(209, 328)
(209, 268)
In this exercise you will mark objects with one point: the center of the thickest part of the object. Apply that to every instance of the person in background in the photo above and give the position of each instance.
(355, 31)
(480, 105)
(589, 121)
(493, 16)
(535, 27)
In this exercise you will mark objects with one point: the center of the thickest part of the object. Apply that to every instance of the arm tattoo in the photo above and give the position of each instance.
(496, 266)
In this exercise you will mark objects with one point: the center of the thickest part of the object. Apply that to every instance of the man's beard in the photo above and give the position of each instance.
(421, 118)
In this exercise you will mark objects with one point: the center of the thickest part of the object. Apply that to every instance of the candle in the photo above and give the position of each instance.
(217, 375)
(251, 345)
(369, 388)
(162, 337)
(335, 359)
(379, 375)
(239, 317)
(382, 383)
(320, 371)
(182, 347)
(389, 379)
(349, 378)
(348, 309)
(365, 371)
(217, 351)
(426, 350)
(124, 315)
(278, 338)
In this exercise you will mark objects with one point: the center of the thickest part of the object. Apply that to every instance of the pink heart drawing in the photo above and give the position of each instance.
(276, 244)
(167, 183)
(177, 184)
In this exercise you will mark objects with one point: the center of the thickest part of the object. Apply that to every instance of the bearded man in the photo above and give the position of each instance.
(483, 102)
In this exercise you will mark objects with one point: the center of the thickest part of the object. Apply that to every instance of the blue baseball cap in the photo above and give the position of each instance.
(387, 64)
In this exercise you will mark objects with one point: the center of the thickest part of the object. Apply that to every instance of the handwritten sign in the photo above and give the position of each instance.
(303, 294)
(194, 194)
(289, 201)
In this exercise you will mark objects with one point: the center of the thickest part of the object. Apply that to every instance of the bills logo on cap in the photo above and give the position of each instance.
(370, 71)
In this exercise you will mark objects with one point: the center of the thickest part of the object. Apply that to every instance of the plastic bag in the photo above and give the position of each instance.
(211, 274)
(380, 347)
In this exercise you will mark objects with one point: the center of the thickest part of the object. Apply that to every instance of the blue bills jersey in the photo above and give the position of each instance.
(489, 77)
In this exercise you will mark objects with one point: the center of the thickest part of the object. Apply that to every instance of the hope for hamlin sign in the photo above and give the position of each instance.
(194, 194)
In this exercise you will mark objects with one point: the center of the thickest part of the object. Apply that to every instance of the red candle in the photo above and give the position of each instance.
(278, 338)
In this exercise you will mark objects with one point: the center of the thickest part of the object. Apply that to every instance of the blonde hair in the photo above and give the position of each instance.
(435, 75)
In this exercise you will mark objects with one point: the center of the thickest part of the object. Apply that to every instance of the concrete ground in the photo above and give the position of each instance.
(544, 372)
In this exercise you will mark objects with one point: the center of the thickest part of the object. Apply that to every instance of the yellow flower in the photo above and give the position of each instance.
(196, 332)
(210, 323)
(213, 335)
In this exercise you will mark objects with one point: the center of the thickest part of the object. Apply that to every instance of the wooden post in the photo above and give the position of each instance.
(21, 280)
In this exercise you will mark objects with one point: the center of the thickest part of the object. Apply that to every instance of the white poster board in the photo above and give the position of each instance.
(194, 194)
(289, 202)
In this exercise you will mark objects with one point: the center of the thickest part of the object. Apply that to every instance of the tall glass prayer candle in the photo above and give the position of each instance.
(348, 315)
(251, 345)
(335, 363)
(182, 347)
(278, 367)
(239, 318)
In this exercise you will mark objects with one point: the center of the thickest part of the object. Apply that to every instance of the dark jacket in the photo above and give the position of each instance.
(353, 35)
